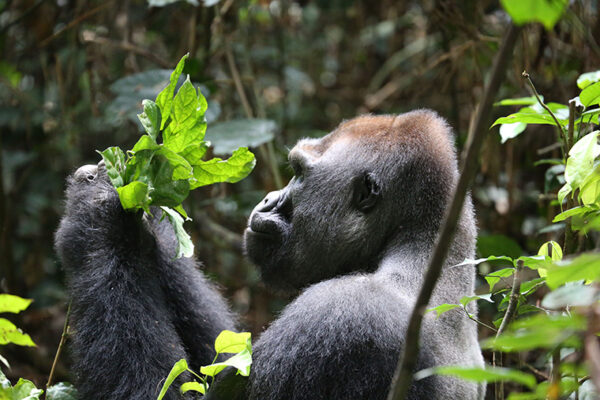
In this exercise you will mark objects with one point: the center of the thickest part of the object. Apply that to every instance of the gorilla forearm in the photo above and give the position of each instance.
(135, 309)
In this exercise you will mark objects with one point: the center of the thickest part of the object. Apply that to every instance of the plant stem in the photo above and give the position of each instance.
(545, 107)
(61, 344)
(570, 237)
(478, 321)
(508, 316)
(402, 378)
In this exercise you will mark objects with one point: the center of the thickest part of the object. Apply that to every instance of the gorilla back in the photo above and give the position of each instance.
(358, 222)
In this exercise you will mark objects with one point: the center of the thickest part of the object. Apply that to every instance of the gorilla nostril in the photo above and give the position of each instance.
(86, 173)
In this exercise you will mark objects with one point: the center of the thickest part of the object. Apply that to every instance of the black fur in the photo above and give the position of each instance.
(136, 310)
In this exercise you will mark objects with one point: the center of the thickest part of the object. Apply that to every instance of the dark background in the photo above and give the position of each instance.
(305, 65)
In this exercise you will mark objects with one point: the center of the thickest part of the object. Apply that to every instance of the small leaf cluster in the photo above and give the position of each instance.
(228, 342)
(163, 174)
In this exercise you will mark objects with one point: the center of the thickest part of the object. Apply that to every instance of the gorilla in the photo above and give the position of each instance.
(352, 232)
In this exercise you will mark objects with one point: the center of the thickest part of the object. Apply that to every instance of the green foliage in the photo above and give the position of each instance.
(23, 390)
(548, 12)
(487, 374)
(9, 333)
(227, 342)
(162, 174)
(62, 391)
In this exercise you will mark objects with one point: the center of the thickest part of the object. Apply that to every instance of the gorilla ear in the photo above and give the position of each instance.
(366, 192)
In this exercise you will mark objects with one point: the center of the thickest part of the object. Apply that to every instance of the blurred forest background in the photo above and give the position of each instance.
(73, 74)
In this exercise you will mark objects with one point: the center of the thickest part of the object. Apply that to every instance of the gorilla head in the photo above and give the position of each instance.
(372, 182)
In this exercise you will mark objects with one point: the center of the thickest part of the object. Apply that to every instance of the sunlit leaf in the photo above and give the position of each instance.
(495, 277)
(442, 308)
(590, 95)
(241, 361)
(9, 333)
(193, 386)
(150, 118)
(62, 391)
(547, 12)
(232, 342)
(179, 367)
(13, 304)
(232, 170)
(164, 100)
(185, 247)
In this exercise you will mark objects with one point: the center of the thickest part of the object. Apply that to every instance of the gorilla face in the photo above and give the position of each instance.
(323, 223)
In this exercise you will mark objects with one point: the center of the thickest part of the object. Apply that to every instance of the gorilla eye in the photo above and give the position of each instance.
(298, 170)
(366, 192)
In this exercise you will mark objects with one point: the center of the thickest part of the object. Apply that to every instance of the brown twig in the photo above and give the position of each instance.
(513, 301)
(570, 237)
(477, 131)
(61, 344)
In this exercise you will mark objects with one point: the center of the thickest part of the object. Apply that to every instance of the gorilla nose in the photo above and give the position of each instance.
(269, 202)
(86, 173)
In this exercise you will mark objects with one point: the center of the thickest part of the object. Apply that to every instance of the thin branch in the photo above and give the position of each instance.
(61, 344)
(477, 131)
(478, 321)
(89, 37)
(513, 301)
(570, 237)
(545, 107)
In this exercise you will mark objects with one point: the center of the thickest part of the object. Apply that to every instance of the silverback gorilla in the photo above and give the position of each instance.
(353, 231)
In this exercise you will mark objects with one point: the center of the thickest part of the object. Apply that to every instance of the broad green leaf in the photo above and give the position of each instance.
(467, 299)
(528, 287)
(228, 136)
(13, 304)
(145, 142)
(552, 250)
(442, 308)
(62, 391)
(520, 101)
(26, 390)
(114, 159)
(232, 342)
(193, 153)
(539, 331)
(564, 192)
(9, 333)
(510, 131)
(581, 159)
(587, 79)
(579, 210)
(589, 192)
(134, 195)
(571, 295)
(590, 95)
(547, 12)
(179, 367)
(526, 118)
(164, 100)
(232, 170)
(181, 168)
(150, 118)
(495, 277)
(584, 267)
(190, 138)
(166, 191)
(182, 212)
(486, 374)
(241, 361)
(194, 386)
(186, 109)
(185, 247)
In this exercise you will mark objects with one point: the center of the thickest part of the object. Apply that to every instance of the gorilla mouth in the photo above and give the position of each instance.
(265, 225)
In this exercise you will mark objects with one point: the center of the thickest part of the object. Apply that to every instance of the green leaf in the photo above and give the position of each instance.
(548, 12)
(232, 170)
(510, 131)
(228, 136)
(587, 79)
(134, 195)
(573, 295)
(520, 101)
(495, 277)
(585, 267)
(150, 118)
(241, 361)
(114, 159)
(579, 210)
(185, 247)
(26, 390)
(552, 250)
(164, 100)
(9, 333)
(486, 374)
(166, 191)
(539, 331)
(526, 118)
(62, 391)
(145, 142)
(581, 159)
(442, 308)
(13, 304)
(468, 261)
(232, 342)
(182, 141)
(564, 192)
(179, 367)
(589, 192)
(193, 386)
(467, 299)
(590, 95)
(186, 109)
(181, 168)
